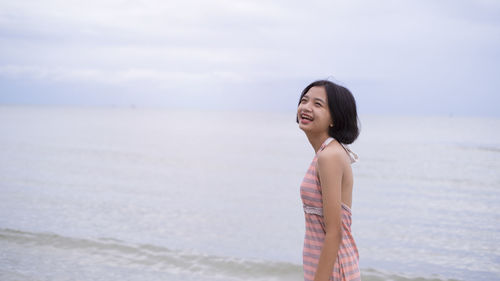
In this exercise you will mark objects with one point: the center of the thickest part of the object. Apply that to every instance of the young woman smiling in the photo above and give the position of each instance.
(327, 114)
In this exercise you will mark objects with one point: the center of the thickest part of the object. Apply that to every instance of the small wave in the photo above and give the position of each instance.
(160, 258)
(370, 274)
(481, 147)
(157, 258)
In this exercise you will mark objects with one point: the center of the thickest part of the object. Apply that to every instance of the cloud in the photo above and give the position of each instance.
(403, 48)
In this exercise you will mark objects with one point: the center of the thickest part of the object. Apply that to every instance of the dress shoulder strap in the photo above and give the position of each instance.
(353, 156)
(325, 143)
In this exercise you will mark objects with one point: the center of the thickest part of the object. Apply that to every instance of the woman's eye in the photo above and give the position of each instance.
(303, 100)
(318, 104)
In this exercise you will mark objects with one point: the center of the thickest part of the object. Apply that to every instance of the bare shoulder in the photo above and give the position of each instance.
(332, 155)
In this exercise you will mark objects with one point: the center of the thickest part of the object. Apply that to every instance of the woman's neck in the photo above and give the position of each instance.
(317, 140)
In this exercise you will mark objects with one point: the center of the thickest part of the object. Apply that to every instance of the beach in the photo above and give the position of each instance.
(102, 193)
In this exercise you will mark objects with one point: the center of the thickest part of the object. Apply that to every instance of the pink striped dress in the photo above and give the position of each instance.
(346, 266)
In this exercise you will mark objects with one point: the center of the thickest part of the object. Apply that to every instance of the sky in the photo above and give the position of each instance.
(431, 57)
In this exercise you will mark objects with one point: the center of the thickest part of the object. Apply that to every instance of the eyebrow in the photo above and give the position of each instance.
(318, 99)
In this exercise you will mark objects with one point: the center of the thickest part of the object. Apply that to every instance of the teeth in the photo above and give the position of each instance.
(306, 117)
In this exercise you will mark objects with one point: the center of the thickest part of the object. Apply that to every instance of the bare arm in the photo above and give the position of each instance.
(330, 169)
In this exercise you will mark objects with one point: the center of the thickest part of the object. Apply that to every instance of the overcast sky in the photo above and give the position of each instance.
(398, 57)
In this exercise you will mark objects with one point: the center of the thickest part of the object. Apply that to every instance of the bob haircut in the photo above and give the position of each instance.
(342, 109)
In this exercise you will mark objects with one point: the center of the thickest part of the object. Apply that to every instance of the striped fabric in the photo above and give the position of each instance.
(346, 266)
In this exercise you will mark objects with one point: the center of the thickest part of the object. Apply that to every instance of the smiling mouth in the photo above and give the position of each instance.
(305, 118)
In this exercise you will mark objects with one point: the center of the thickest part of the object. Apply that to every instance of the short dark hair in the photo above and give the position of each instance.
(342, 109)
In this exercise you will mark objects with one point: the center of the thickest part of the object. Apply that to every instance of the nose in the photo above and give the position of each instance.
(305, 107)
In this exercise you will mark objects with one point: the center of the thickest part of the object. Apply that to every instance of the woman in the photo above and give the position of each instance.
(327, 114)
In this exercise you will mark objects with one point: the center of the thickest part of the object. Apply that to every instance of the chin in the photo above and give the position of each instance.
(304, 128)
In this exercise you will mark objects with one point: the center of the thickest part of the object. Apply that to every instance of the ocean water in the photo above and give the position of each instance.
(157, 194)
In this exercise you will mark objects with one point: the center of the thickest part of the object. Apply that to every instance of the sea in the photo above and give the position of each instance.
(130, 193)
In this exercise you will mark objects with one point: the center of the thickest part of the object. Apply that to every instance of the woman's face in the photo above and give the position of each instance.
(313, 112)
